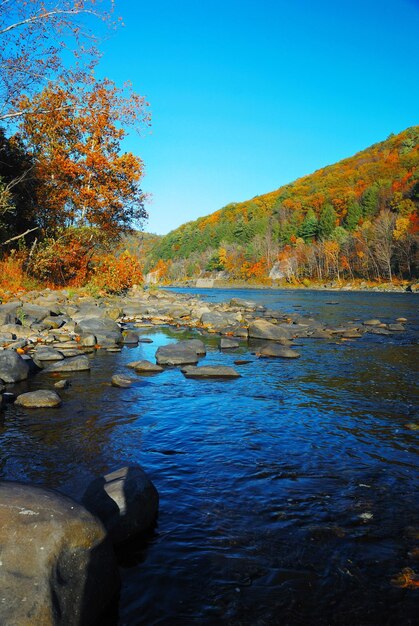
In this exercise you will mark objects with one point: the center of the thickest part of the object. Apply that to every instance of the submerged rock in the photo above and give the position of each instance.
(229, 344)
(278, 351)
(126, 501)
(57, 567)
(210, 371)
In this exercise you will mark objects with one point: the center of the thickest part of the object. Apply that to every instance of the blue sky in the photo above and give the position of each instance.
(249, 95)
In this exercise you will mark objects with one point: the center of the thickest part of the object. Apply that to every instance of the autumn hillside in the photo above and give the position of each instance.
(357, 217)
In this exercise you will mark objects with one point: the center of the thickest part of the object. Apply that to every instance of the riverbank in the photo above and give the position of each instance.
(397, 287)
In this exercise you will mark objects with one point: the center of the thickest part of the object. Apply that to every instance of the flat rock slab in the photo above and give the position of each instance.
(396, 327)
(48, 354)
(262, 329)
(126, 501)
(42, 398)
(55, 560)
(74, 364)
(12, 367)
(210, 371)
(175, 354)
(277, 351)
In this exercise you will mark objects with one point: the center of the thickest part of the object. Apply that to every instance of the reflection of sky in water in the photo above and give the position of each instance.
(291, 491)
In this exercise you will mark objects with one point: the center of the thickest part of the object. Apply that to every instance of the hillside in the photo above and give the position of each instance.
(356, 218)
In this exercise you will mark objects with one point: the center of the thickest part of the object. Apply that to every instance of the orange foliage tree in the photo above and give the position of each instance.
(84, 179)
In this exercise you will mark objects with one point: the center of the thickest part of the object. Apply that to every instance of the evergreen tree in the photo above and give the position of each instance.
(309, 227)
(327, 221)
(370, 201)
(353, 216)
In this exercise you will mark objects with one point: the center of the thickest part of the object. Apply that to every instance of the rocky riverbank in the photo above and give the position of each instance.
(51, 332)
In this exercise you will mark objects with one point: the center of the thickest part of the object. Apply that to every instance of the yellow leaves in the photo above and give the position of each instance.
(402, 228)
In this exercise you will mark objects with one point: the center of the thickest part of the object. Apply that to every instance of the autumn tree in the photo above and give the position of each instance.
(41, 41)
(84, 178)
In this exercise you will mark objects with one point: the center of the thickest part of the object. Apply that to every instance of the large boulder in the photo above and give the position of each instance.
(73, 364)
(262, 329)
(42, 398)
(57, 566)
(126, 501)
(106, 331)
(12, 367)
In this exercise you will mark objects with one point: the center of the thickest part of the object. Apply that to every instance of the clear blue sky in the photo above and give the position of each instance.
(247, 95)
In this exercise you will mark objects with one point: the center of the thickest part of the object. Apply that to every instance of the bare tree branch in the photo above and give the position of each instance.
(30, 230)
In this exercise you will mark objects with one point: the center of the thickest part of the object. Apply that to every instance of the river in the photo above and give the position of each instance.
(287, 497)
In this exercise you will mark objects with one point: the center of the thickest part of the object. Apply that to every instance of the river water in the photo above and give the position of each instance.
(287, 497)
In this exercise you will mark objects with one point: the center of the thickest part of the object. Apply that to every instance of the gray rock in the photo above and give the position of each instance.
(73, 364)
(34, 312)
(210, 371)
(106, 331)
(175, 354)
(130, 338)
(229, 344)
(12, 367)
(244, 304)
(57, 566)
(379, 331)
(277, 351)
(193, 344)
(372, 322)
(89, 341)
(48, 354)
(121, 381)
(16, 329)
(145, 367)
(217, 321)
(126, 501)
(42, 398)
(396, 327)
(8, 312)
(262, 329)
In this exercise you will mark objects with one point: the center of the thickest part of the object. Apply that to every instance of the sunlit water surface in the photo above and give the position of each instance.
(287, 496)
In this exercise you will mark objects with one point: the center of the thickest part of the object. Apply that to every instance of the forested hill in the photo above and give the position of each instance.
(337, 220)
